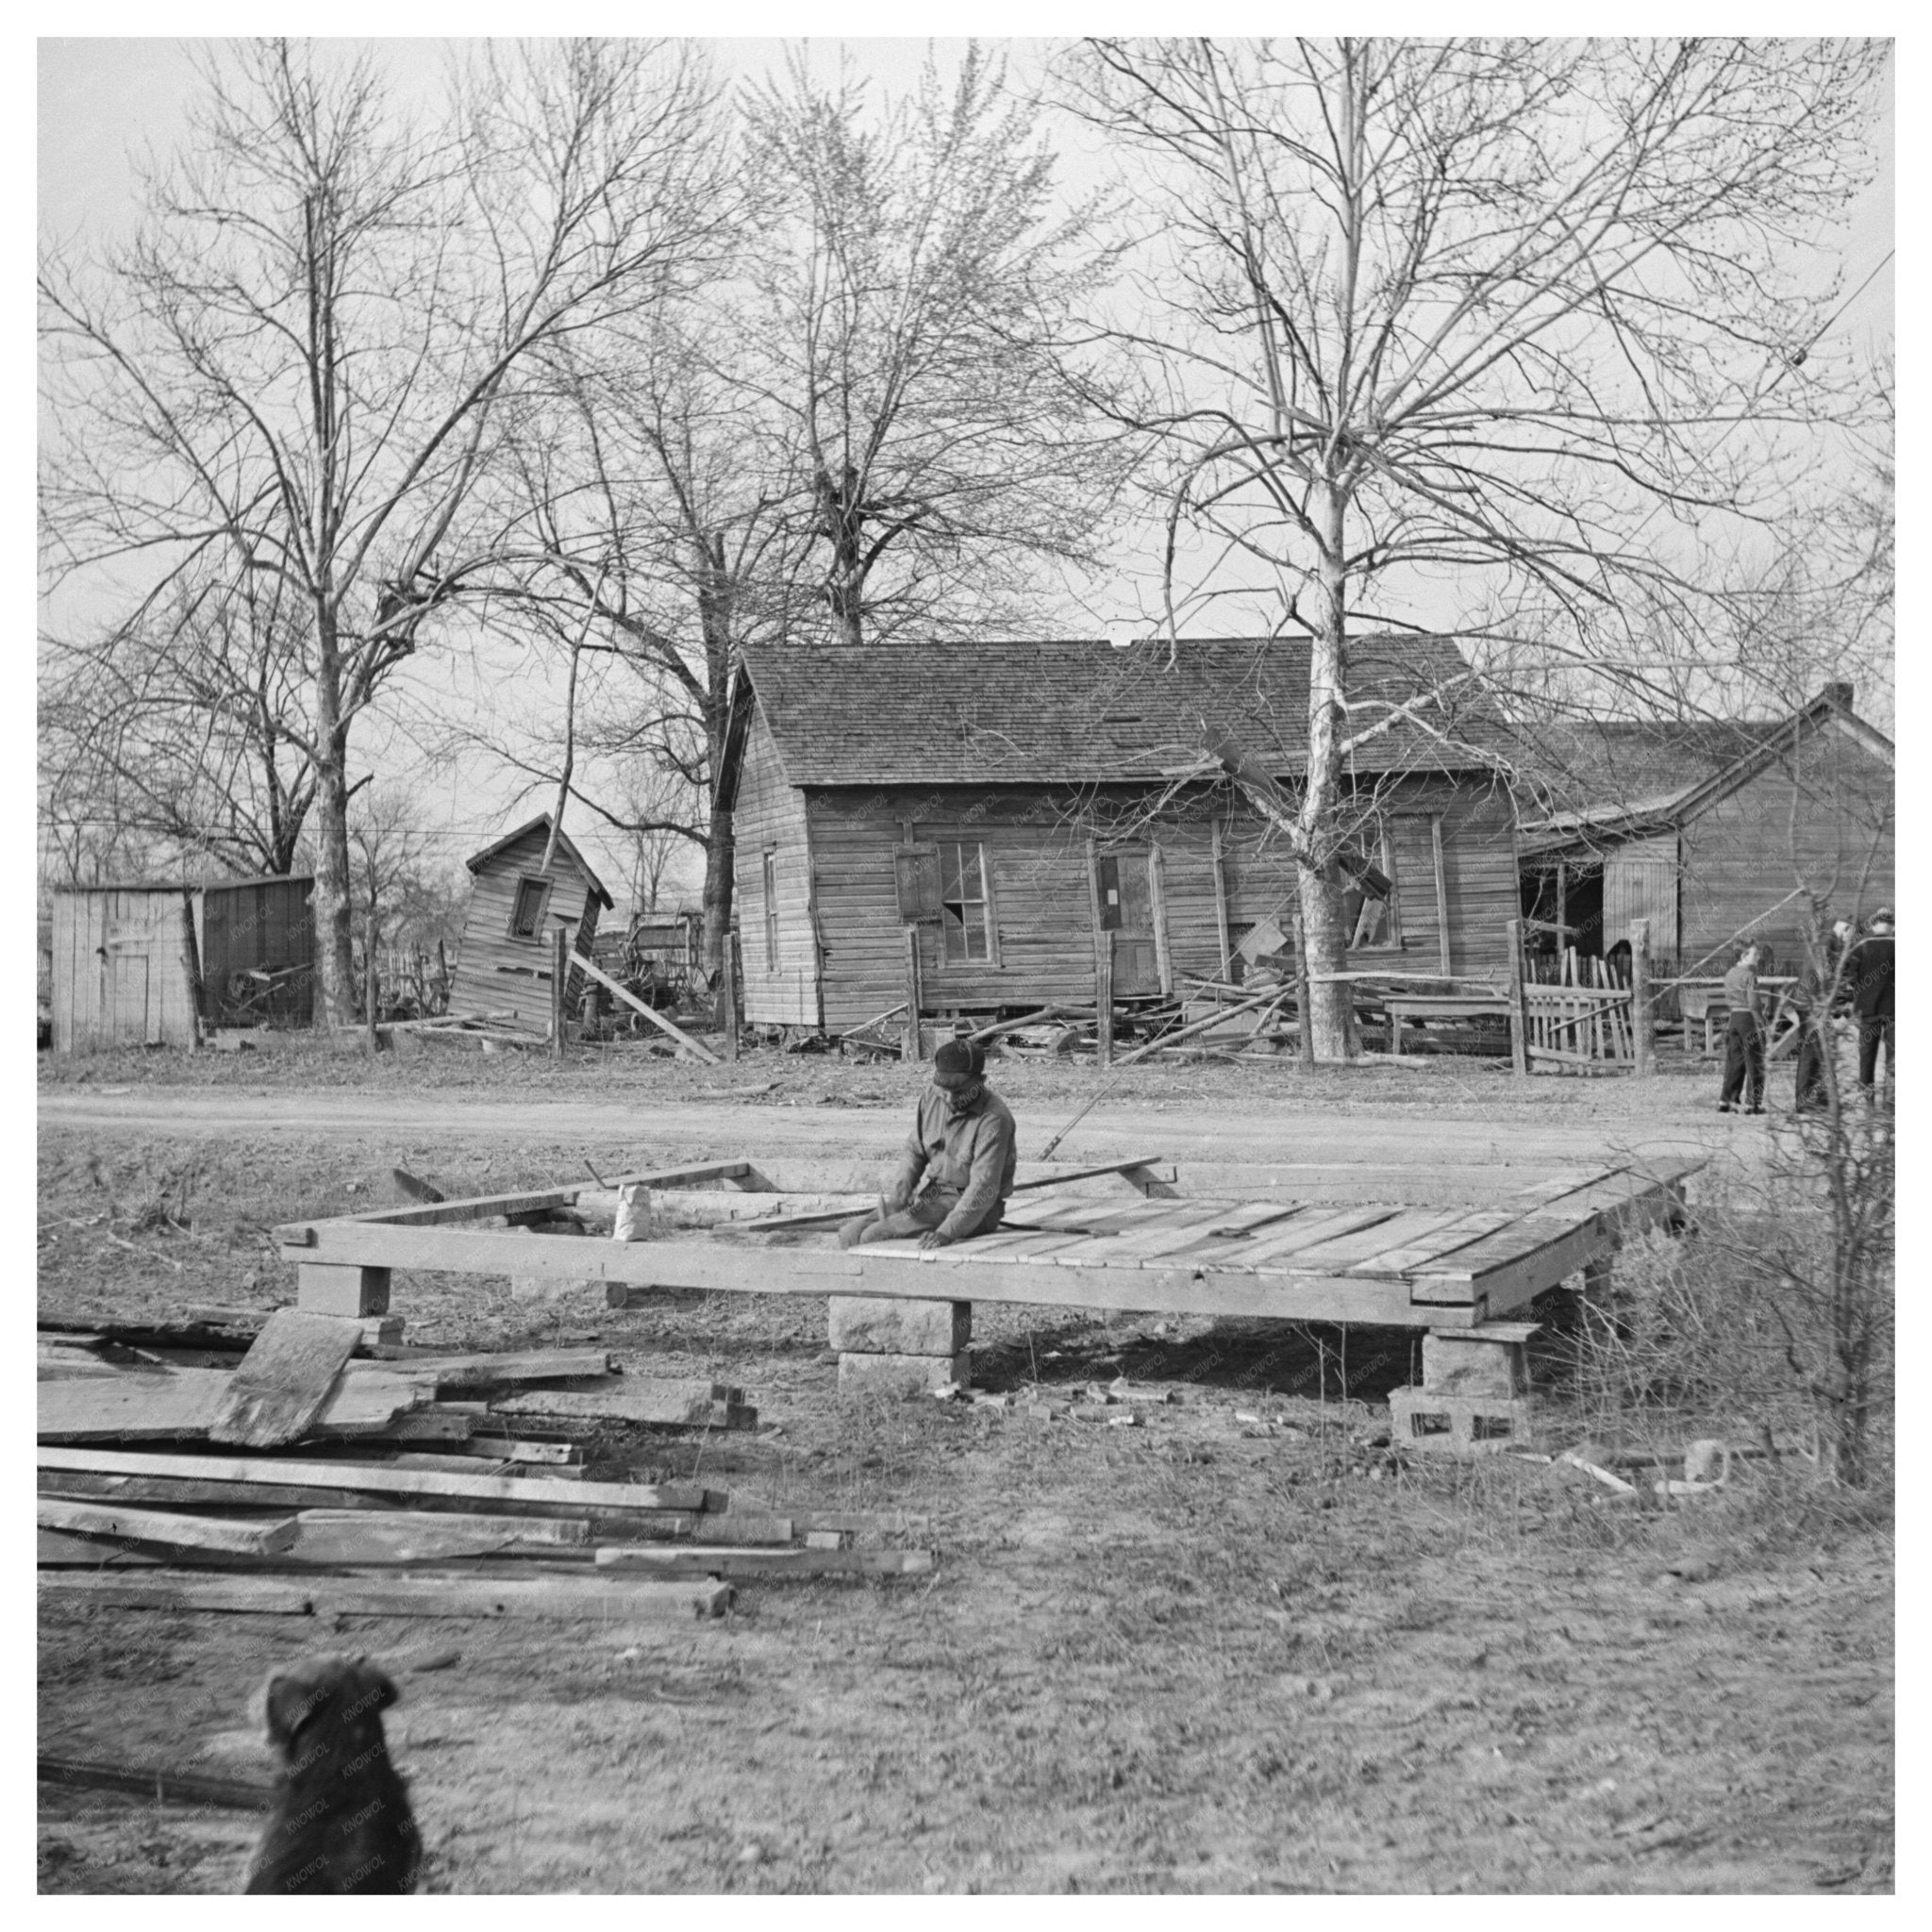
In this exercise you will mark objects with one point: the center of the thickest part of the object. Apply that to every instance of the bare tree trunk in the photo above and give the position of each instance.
(1322, 937)
(335, 964)
(720, 855)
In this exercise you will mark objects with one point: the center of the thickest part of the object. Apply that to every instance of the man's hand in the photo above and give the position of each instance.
(935, 1237)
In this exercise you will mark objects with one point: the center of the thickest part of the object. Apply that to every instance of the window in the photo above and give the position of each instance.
(965, 913)
(1371, 908)
(526, 910)
(771, 911)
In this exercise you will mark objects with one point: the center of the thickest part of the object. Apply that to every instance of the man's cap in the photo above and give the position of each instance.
(958, 1063)
(1883, 917)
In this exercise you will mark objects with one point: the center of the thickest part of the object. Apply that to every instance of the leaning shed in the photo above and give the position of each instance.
(1712, 831)
(990, 810)
(130, 961)
(515, 905)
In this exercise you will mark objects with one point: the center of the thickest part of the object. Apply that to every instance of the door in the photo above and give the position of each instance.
(127, 998)
(1126, 910)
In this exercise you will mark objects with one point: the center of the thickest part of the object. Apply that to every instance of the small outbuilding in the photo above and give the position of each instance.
(502, 965)
(1712, 831)
(139, 963)
(980, 819)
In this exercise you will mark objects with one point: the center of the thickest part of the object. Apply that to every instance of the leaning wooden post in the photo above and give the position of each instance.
(1519, 1003)
(915, 1042)
(1103, 1000)
(559, 976)
(1642, 1033)
(728, 974)
(371, 984)
(191, 971)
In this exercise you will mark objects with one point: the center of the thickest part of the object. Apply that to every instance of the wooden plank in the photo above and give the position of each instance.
(153, 1488)
(160, 1784)
(345, 1537)
(640, 1262)
(1271, 1250)
(182, 1405)
(663, 1406)
(604, 1599)
(527, 1201)
(1139, 1246)
(382, 1477)
(1455, 1231)
(756, 1562)
(280, 1386)
(482, 1370)
(57, 1547)
(656, 1019)
(1246, 1217)
(156, 1526)
(1343, 1252)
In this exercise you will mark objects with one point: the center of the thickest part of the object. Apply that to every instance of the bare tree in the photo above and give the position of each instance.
(912, 307)
(189, 725)
(294, 374)
(1481, 313)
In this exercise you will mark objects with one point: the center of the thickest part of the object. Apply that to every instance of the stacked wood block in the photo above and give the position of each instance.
(1475, 1396)
(898, 1347)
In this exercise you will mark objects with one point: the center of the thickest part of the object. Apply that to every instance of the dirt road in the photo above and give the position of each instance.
(1270, 1128)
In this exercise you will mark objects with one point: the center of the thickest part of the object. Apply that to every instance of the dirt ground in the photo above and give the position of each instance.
(1238, 1647)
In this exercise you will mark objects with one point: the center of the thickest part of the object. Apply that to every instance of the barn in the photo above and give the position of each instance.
(984, 815)
(1710, 830)
(138, 963)
(502, 965)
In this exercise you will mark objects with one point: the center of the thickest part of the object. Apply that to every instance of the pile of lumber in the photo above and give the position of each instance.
(321, 1472)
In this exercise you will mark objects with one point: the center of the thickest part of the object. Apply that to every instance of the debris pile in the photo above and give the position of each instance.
(311, 1465)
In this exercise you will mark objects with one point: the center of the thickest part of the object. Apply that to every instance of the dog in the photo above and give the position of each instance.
(342, 1820)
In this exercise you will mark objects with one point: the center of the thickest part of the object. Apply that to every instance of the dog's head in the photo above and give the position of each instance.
(340, 1690)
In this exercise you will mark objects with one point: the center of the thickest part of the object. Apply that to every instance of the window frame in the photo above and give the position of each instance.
(986, 902)
(1385, 861)
(543, 887)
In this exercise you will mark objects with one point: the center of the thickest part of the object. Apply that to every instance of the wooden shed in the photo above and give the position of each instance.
(1711, 831)
(127, 957)
(515, 905)
(995, 808)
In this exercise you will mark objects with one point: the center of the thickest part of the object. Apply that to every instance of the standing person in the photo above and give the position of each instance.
(1743, 1037)
(1820, 996)
(1868, 971)
(963, 1145)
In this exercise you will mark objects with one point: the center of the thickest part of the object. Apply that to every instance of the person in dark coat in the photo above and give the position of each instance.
(962, 1147)
(1743, 1038)
(1868, 972)
(1820, 996)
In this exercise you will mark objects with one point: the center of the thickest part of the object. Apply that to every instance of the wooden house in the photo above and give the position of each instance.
(985, 814)
(130, 961)
(1711, 831)
(502, 965)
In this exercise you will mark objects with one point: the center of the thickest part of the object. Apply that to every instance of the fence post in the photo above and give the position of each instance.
(372, 984)
(1642, 1034)
(191, 971)
(560, 978)
(1519, 1003)
(914, 1048)
(1103, 1000)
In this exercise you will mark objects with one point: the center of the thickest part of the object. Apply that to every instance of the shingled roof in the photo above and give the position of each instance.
(1619, 775)
(1078, 711)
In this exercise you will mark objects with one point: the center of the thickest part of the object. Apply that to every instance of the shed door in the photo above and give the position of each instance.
(1640, 882)
(1126, 910)
(127, 998)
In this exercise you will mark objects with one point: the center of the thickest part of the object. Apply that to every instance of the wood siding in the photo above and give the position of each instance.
(770, 816)
(119, 978)
(1822, 816)
(1036, 846)
(259, 926)
(1640, 882)
(497, 973)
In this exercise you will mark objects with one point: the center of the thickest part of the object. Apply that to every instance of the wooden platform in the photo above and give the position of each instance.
(1403, 1265)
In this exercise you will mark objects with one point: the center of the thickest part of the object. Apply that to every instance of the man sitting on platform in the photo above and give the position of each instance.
(963, 1145)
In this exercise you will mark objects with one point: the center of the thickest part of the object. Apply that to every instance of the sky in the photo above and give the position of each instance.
(104, 102)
